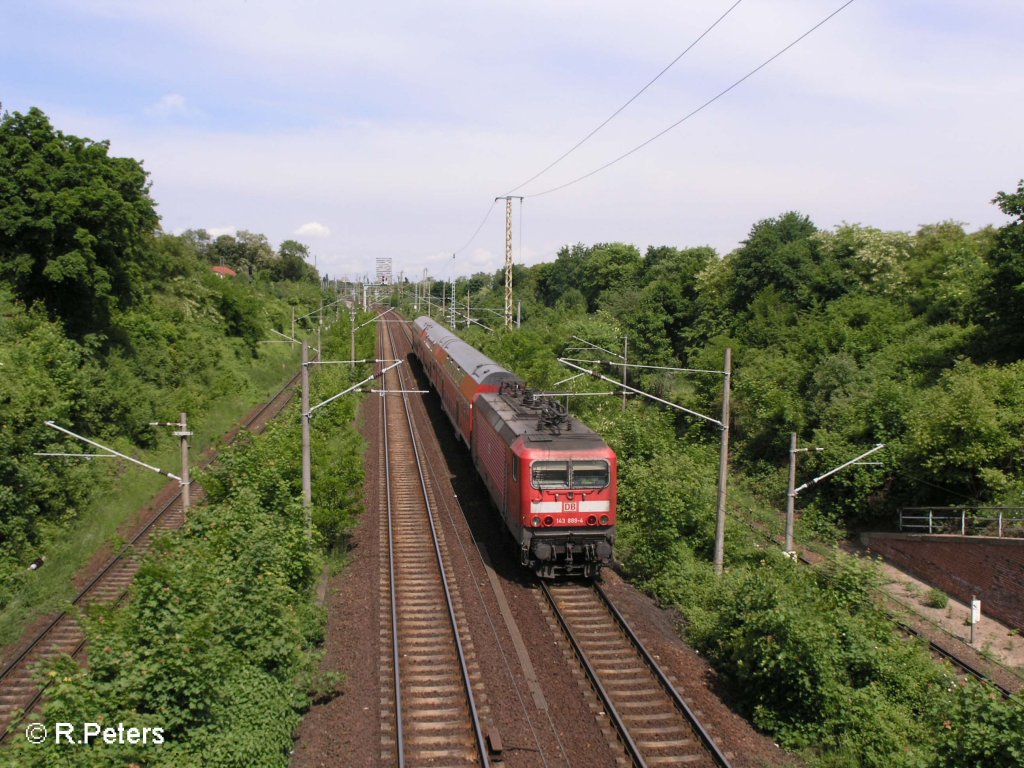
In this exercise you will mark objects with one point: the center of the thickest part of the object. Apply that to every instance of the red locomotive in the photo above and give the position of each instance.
(551, 477)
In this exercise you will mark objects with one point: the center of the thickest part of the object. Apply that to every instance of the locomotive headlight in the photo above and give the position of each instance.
(536, 522)
(604, 519)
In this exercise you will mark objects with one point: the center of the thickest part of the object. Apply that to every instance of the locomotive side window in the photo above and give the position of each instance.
(551, 474)
(589, 473)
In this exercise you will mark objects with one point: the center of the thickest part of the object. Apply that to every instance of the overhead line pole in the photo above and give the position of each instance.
(723, 466)
(790, 495)
(508, 254)
(307, 481)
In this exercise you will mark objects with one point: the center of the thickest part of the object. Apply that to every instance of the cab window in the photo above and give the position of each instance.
(589, 473)
(550, 474)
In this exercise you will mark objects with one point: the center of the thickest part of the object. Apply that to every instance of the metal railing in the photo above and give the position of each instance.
(1001, 522)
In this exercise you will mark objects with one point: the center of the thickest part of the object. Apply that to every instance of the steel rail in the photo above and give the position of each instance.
(467, 683)
(399, 737)
(460, 653)
(705, 737)
(609, 707)
(634, 751)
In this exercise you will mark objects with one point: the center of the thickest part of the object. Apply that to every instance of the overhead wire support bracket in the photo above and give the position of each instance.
(347, 362)
(110, 452)
(592, 345)
(77, 455)
(597, 375)
(367, 380)
(819, 478)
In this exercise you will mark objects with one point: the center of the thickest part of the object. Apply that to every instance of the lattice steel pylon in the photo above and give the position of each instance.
(508, 255)
(384, 276)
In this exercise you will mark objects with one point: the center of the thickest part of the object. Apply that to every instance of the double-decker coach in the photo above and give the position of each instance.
(552, 478)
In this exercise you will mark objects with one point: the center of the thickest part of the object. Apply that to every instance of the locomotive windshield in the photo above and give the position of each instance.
(589, 473)
(583, 473)
(551, 474)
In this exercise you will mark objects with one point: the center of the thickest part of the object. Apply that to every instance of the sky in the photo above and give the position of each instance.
(386, 130)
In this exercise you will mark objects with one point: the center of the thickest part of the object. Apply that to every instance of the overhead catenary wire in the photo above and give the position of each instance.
(449, 266)
(477, 232)
(661, 133)
(696, 111)
(633, 98)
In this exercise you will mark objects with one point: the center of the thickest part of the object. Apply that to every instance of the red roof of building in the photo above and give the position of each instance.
(224, 271)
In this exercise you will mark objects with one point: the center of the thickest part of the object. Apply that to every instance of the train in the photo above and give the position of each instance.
(551, 477)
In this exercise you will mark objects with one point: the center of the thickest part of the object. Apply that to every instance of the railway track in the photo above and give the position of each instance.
(429, 712)
(20, 690)
(648, 717)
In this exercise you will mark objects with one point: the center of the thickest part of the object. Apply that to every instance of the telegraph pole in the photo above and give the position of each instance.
(723, 426)
(508, 254)
(790, 498)
(792, 493)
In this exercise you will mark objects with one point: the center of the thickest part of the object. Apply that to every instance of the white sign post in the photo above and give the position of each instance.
(975, 614)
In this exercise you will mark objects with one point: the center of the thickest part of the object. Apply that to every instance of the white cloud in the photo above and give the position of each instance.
(312, 229)
(169, 105)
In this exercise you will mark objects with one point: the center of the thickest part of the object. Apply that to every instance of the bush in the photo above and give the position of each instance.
(219, 628)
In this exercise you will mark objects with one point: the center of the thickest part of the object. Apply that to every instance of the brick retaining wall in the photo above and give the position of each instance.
(961, 566)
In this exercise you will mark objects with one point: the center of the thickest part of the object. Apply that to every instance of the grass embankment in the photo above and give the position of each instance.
(125, 488)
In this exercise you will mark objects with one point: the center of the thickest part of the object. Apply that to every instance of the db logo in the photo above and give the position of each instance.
(570, 506)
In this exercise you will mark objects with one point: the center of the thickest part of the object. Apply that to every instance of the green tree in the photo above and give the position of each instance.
(245, 252)
(877, 260)
(554, 280)
(781, 253)
(74, 222)
(1003, 297)
(671, 279)
(291, 262)
(947, 271)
